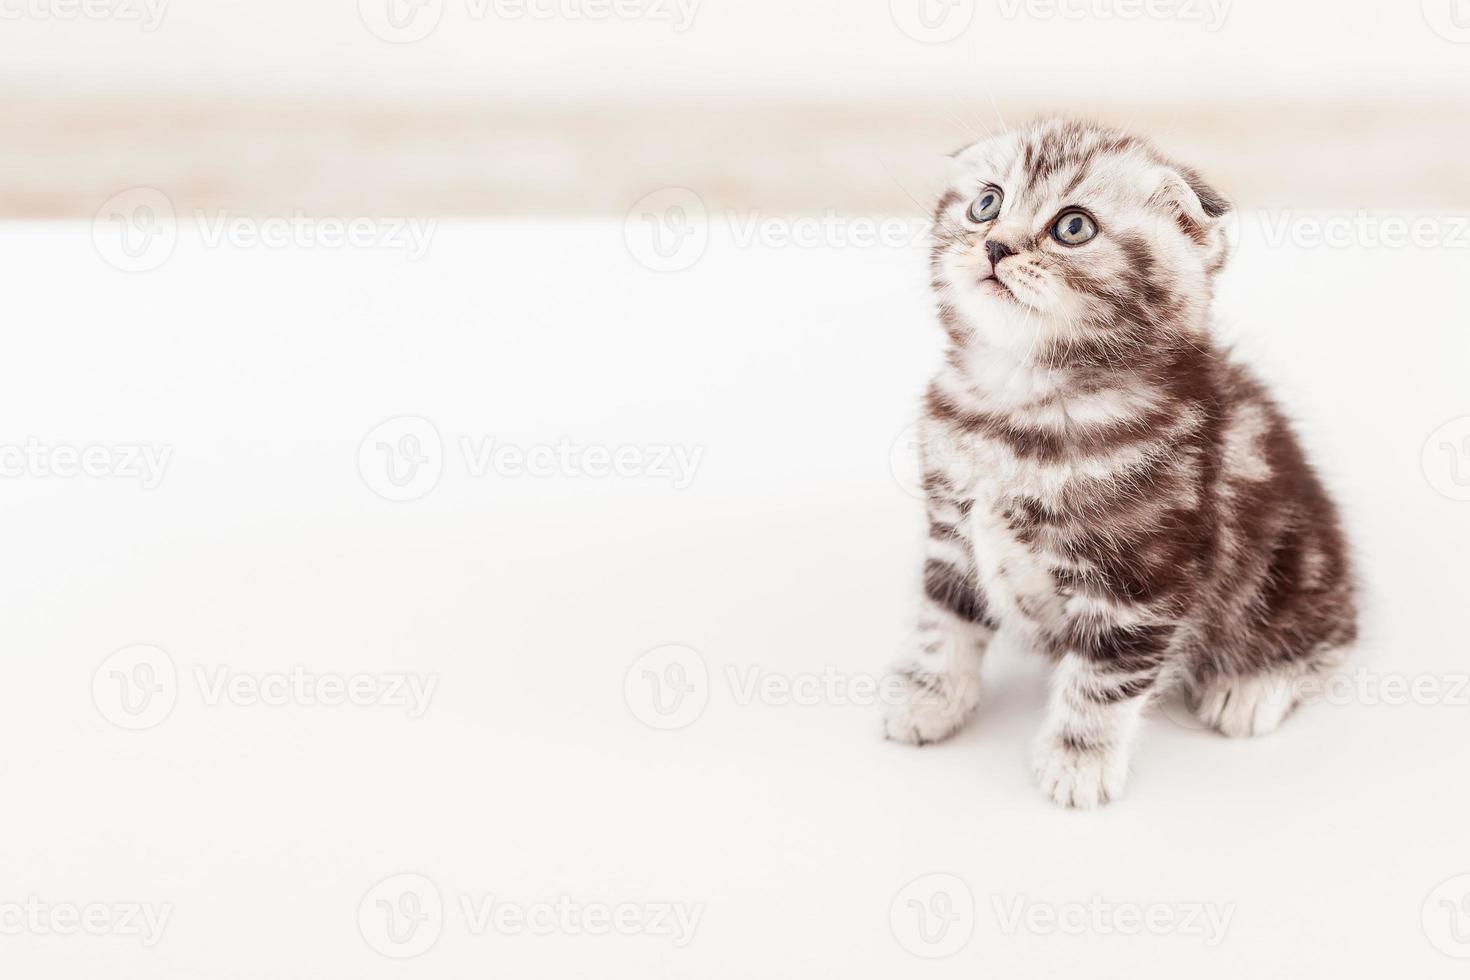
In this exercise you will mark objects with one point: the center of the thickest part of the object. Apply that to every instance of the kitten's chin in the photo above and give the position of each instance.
(993, 298)
(999, 319)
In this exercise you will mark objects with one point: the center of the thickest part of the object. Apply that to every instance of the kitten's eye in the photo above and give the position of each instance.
(986, 206)
(1074, 228)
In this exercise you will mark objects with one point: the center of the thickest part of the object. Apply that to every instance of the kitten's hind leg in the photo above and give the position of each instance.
(1254, 704)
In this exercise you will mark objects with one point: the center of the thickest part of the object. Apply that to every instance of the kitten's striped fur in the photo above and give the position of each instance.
(1102, 481)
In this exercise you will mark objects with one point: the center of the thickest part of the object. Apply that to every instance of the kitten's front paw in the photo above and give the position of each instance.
(931, 708)
(1080, 776)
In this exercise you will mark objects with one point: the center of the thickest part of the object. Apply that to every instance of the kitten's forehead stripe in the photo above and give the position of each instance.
(1072, 147)
(1076, 181)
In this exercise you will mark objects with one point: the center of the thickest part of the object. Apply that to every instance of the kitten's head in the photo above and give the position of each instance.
(1068, 237)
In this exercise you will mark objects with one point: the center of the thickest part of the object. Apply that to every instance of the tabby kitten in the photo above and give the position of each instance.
(1103, 482)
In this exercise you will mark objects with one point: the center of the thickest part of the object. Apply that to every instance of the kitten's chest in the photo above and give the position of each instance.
(1013, 567)
(1009, 437)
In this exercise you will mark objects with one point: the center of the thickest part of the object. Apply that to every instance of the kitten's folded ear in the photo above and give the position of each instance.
(961, 160)
(1211, 202)
(980, 145)
(1197, 208)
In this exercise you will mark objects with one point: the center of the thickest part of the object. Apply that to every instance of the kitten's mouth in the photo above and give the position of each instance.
(992, 284)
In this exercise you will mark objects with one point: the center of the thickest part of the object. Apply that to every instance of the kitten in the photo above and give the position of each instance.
(1103, 483)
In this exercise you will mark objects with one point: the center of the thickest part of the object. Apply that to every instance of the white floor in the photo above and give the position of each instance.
(537, 773)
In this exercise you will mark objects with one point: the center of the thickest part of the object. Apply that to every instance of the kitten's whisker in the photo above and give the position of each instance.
(998, 114)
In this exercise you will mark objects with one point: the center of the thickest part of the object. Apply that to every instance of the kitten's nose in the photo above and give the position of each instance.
(997, 251)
